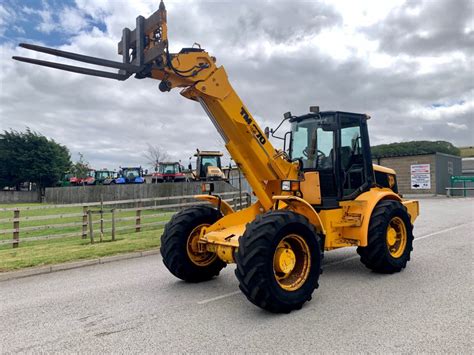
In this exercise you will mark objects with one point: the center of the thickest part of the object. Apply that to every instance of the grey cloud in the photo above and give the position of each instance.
(440, 26)
(237, 23)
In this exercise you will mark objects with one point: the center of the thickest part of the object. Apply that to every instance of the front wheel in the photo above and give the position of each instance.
(279, 261)
(180, 249)
(390, 238)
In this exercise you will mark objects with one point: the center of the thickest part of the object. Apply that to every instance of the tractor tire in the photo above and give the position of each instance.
(390, 238)
(279, 261)
(179, 245)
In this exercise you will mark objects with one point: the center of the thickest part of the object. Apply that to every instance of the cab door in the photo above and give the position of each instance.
(354, 157)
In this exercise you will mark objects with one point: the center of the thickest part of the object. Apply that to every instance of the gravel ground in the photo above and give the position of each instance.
(137, 306)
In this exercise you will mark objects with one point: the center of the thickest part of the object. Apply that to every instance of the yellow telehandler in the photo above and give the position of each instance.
(320, 194)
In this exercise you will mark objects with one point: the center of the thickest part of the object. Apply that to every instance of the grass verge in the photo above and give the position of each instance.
(57, 251)
(60, 250)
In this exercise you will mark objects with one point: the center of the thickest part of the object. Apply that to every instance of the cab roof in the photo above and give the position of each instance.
(327, 113)
(208, 152)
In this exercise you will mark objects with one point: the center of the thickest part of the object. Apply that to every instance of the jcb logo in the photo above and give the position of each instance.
(259, 135)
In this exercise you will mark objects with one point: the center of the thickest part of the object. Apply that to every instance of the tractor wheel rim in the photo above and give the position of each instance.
(192, 247)
(292, 262)
(396, 237)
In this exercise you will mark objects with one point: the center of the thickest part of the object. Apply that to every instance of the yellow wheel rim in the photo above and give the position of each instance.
(192, 247)
(291, 262)
(396, 237)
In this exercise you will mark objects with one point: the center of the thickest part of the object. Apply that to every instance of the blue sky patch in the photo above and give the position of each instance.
(52, 22)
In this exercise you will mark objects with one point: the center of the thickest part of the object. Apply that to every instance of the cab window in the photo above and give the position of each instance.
(351, 157)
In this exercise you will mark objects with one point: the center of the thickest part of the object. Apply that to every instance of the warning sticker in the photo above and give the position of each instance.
(420, 176)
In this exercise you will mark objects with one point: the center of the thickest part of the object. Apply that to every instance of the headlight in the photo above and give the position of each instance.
(286, 185)
(290, 185)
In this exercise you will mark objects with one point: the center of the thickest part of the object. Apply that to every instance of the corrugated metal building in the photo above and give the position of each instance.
(423, 174)
(468, 166)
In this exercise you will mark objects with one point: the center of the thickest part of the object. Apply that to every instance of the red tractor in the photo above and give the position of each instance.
(169, 172)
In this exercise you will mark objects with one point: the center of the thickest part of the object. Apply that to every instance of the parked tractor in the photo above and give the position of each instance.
(104, 177)
(65, 180)
(89, 179)
(129, 175)
(208, 166)
(169, 172)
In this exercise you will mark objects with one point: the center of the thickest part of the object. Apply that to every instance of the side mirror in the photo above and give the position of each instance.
(190, 167)
(267, 132)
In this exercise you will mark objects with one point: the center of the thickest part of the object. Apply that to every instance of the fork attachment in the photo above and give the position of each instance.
(140, 48)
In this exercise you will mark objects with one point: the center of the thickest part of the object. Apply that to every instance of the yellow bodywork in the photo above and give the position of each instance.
(341, 227)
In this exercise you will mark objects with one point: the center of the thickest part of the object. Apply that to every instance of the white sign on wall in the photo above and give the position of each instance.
(420, 176)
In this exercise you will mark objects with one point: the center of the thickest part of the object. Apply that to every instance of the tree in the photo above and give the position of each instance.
(414, 148)
(80, 168)
(31, 157)
(155, 155)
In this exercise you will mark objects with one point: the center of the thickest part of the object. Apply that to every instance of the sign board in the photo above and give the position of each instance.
(420, 176)
(462, 178)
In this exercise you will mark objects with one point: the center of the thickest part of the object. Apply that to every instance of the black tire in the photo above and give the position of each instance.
(174, 245)
(376, 255)
(255, 261)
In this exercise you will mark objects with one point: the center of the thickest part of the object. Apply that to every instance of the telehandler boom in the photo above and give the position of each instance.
(321, 193)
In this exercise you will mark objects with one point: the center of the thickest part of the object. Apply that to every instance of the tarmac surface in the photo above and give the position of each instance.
(136, 305)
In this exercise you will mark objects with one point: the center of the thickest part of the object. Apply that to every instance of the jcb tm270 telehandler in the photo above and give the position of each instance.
(323, 194)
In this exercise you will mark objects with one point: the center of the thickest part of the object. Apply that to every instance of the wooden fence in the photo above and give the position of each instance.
(107, 212)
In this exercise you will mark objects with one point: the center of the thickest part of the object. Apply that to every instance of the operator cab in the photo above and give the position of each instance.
(336, 145)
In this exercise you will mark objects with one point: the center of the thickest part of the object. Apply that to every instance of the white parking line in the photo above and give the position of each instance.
(419, 238)
(443, 231)
(219, 297)
(339, 261)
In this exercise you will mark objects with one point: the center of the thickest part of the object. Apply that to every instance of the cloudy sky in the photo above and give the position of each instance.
(406, 63)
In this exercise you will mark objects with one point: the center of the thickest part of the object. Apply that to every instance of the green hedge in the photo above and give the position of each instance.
(414, 148)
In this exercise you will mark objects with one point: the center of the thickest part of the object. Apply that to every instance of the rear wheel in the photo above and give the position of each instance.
(180, 249)
(390, 238)
(279, 261)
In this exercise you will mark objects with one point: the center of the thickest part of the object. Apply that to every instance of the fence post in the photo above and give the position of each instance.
(91, 227)
(101, 219)
(16, 228)
(84, 222)
(113, 224)
(138, 218)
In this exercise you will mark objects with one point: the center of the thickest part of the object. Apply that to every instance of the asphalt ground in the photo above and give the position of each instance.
(136, 305)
